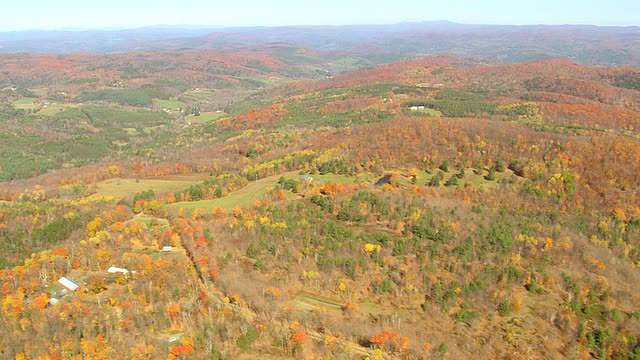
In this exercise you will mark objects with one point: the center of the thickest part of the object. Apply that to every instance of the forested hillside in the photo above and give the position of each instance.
(591, 45)
(61, 111)
(438, 207)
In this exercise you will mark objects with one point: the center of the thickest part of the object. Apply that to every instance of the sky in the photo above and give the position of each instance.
(91, 14)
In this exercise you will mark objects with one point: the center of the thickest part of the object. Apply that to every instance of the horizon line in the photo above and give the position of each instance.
(221, 27)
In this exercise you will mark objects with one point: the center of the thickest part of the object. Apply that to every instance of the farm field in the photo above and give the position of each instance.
(206, 117)
(124, 188)
(245, 196)
(26, 103)
(171, 105)
(54, 108)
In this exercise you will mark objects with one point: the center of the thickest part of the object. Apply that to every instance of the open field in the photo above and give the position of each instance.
(170, 105)
(206, 117)
(25, 103)
(199, 94)
(123, 188)
(53, 109)
(306, 302)
(258, 189)
(150, 221)
(214, 99)
(342, 179)
(253, 191)
(427, 112)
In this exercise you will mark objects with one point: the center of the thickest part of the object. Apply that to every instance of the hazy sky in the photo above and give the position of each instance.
(56, 14)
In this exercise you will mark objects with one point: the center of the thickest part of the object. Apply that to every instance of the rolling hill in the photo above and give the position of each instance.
(435, 207)
(590, 45)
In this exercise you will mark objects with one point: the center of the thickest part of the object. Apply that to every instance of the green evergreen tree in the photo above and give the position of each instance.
(491, 176)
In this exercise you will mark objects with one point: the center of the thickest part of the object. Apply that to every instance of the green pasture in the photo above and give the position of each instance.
(342, 179)
(426, 112)
(151, 221)
(124, 188)
(26, 103)
(170, 105)
(53, 109)
(206, 117)
(244, 197)
(256, 190)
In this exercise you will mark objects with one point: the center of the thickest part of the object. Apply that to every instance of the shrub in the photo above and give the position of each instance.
(453, 181)
(444, 166)
(436, 179)
(517, 167)
(504, 308)
(247, 339)
(491, 176)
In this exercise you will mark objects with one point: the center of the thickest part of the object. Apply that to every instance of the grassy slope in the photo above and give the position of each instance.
(25, 103)
(53, 109)
(254, 191)
(205, 117)
(123, 188)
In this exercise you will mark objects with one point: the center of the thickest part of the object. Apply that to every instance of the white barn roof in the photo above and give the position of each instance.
(113, 270)
(68, 283)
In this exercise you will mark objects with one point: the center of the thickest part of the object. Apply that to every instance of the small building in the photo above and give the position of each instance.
(53, 301)
(68, 284)
(114, 270)
(167, 249)
(174, 338)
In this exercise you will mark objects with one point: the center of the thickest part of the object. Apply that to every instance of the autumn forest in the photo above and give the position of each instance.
(275, 201)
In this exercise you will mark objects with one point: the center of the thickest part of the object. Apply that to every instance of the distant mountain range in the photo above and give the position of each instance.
(586, 44)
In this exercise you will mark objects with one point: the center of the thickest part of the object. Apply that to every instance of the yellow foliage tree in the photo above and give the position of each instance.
(94, 226)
